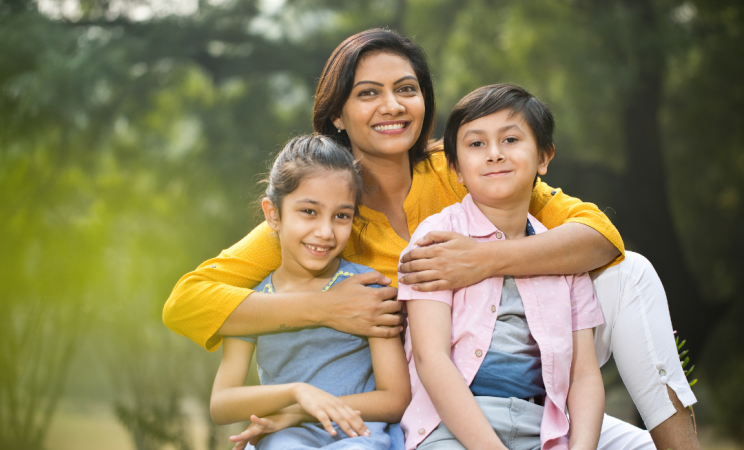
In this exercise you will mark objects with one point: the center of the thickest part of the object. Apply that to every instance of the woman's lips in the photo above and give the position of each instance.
(391, 127)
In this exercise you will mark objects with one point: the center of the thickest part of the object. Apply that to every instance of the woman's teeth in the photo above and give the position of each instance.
(317, 249)
(395, 126)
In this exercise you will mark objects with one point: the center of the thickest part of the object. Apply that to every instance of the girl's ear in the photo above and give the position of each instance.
(542, 167)
(271, 213)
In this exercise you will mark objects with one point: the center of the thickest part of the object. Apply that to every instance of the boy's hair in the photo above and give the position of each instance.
(305, 156)
(491, 99)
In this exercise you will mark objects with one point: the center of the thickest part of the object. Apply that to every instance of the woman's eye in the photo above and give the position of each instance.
(366, 93)
(408, 89)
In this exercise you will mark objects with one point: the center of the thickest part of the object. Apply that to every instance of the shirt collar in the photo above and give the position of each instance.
(478, 223)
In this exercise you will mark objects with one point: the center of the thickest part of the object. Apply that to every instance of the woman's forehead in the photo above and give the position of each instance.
(381, 64)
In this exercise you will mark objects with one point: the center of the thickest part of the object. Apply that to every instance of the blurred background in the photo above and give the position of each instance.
(132, 133)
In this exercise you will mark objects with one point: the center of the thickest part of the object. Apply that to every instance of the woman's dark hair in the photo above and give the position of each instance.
(337, 80)
(491, 99)
(307, 155)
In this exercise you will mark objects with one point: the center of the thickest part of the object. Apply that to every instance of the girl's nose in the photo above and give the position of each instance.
(324, 230)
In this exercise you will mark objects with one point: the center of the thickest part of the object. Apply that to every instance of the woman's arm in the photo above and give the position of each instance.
(217, 299)
(232, 401)
(586, 397)
(450, 260)
(430, 323)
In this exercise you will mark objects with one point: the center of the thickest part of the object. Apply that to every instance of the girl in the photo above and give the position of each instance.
(500, 360)
(315, 374)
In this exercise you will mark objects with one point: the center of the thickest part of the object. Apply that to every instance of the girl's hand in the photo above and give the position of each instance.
(447, 260)
(327, 408)
(261, 426)
(352, 307)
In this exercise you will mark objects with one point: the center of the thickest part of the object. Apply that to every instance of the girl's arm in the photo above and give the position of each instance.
(586, 397)
(232, 401)
(430, 323)
(216, 299)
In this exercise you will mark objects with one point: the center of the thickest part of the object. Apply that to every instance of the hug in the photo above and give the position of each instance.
(515, 292)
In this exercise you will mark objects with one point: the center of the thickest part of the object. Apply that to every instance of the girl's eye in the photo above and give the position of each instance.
(477, 144)
(343, 216)
(511, 140)
(308, 211)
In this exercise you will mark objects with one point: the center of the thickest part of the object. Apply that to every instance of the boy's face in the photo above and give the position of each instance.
(497, 159)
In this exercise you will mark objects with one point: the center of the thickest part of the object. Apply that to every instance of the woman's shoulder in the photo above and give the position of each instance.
(439, 179)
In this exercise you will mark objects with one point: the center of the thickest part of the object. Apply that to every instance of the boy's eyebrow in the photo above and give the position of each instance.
(500, 130)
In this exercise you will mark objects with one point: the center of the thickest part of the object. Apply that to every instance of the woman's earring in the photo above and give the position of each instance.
(338, 127)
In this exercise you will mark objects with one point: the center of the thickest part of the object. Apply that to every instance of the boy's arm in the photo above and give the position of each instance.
(216, 298)
(430, 323)
(586, 401)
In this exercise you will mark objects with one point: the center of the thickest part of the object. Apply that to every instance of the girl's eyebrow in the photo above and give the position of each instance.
(377, 83)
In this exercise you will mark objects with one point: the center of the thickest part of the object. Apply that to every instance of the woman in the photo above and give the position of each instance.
(376, 96)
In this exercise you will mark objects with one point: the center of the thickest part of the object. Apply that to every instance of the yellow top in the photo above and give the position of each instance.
(203, 299)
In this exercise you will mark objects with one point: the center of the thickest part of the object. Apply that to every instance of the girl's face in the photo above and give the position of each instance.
(385, 110)
(497, 159)
(315, 220)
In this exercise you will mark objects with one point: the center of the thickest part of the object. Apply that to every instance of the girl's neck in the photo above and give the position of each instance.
(292, 277)
(509, 217)
(387, 181)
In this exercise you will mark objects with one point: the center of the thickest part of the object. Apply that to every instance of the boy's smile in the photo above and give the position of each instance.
(497, 160)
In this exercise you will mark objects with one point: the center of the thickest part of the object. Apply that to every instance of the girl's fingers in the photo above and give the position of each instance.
(356, 422)
(341, 417)
(326, 422)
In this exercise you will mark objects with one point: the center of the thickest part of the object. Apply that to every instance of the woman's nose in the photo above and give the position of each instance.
(391, 105)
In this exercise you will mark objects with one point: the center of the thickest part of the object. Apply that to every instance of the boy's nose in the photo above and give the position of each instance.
(494, 154)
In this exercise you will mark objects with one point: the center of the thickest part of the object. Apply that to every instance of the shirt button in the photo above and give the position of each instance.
(553, 192)
(493, 308)
(499, 235)
(662, 373)
(422, 431)
(213, 266)
(478, 353)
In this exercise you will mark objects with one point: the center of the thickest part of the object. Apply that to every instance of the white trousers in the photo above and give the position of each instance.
(638, 333)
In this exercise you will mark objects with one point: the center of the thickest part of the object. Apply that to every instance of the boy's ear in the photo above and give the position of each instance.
(271, 213)
(542, 167)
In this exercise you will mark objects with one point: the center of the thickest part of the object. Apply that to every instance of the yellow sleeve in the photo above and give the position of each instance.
(553, 208)
(202, 300)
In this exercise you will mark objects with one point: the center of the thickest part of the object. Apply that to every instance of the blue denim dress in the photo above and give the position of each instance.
(336, 362)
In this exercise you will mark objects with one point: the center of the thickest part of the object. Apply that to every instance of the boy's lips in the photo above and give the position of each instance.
(497, 173)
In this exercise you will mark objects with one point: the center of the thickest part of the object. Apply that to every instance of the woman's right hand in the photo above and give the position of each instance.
(353, 307)
(328, 408)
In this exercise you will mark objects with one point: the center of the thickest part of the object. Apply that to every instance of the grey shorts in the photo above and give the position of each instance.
(516, 422)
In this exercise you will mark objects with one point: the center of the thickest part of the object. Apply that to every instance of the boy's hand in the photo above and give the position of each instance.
(446, 260)
(328, 408)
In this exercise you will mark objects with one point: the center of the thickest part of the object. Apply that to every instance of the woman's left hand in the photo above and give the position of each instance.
(446, 260)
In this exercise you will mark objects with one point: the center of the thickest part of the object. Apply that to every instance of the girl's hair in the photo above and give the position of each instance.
(305, 156)
(337, 80)
(491, 99)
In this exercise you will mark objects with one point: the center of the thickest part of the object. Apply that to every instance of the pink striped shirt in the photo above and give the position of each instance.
(555, 306)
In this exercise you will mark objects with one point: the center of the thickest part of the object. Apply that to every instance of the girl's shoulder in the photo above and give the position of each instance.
(347, 268)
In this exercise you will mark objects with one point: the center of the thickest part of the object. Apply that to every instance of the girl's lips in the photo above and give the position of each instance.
(317, 250)
(397, 127)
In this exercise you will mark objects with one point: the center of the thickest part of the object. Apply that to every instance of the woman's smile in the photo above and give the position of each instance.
(393, 127)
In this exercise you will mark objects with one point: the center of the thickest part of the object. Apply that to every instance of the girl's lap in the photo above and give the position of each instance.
(313, 436)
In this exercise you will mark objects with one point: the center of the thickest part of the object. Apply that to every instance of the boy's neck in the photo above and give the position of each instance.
(292, 277)
(510, 217)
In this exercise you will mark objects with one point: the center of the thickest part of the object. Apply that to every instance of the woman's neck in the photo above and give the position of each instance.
(292, 277)
(387, 181)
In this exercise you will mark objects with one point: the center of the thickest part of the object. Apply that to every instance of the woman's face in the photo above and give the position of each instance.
(384, 113)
